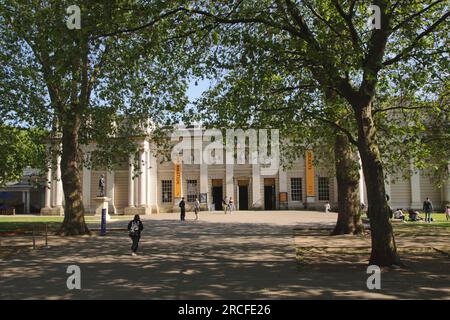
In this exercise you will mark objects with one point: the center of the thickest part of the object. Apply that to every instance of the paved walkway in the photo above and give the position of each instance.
(240, 256)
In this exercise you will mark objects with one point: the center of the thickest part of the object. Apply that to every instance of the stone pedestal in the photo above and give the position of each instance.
(154, 209)
(143, 210)
(102, 203)
(55, 211)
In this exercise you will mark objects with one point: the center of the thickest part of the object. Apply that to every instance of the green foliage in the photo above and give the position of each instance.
(303, 67)
(123, 72)
(20, 149)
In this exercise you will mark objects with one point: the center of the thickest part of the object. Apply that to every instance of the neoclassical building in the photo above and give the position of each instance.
(157, 185)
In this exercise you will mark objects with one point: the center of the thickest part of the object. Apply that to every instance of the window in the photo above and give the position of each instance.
(296, 189)
(191, 190)
(324, 188)
(166, 191)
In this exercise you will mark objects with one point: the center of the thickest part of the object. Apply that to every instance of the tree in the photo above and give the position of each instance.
(331, 41)
(261, 94)
(101, 82)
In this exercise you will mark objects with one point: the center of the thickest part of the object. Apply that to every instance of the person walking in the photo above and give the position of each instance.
(225, 203)
(135, 228)
(196, 207)
(182, 206)
(327, 207)
(231, 205)
(427, 208)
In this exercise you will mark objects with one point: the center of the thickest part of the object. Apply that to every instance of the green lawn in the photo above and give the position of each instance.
(439, 220)
(27, 223)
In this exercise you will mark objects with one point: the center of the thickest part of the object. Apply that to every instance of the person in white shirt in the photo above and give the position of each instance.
(327, 207)
(196, 208)
(225, 204)
(231, 205)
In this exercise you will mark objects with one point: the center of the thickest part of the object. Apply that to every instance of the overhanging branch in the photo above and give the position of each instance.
(413, 44)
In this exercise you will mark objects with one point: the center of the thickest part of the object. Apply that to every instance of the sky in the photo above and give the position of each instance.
(195, 91)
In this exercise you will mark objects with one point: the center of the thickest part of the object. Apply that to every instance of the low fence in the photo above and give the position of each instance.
(8, 212)
(33, 234)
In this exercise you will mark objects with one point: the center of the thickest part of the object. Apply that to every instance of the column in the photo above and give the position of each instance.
(27, 202)
(282, 177)
(24, 201)
(131, 182)
(53, 189)
(59, 187)
(48, 189)
(256, 187)
(86, 188)
(204, 183)
(152, 179)
(110, 190)
(415, 188)
(198, 153)
(446, 193)
(136, 191)
(446, 190)
(147, 177)
(142, 181)
(229, 181)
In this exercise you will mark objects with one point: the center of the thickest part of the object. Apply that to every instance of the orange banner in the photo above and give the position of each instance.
(177, 180)
(310, 174)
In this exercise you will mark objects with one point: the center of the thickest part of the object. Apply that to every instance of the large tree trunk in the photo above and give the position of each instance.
(384, 251)
(74, 223)
(347, 176)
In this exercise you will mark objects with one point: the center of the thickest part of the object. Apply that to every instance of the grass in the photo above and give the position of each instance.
(27, 223)
(439, 221)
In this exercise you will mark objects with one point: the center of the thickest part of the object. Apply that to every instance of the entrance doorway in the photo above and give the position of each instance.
(243, 197)
(217, 193)
(269, 194)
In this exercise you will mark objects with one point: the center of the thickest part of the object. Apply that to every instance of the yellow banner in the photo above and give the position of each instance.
(177, 180)
(310, 174)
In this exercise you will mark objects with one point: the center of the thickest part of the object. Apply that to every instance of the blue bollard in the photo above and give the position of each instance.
(103, 223)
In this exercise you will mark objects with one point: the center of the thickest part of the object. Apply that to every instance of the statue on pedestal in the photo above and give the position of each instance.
(101, 186)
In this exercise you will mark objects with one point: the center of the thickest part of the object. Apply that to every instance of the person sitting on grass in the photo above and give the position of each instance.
(414, 215)
(398, 214)
(447, 212)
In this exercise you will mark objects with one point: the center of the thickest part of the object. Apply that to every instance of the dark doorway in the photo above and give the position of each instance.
(243, 197)
(269, 197)
(217, 193)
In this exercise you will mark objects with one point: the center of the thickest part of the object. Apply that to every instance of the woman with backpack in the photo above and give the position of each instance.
(135, 227)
